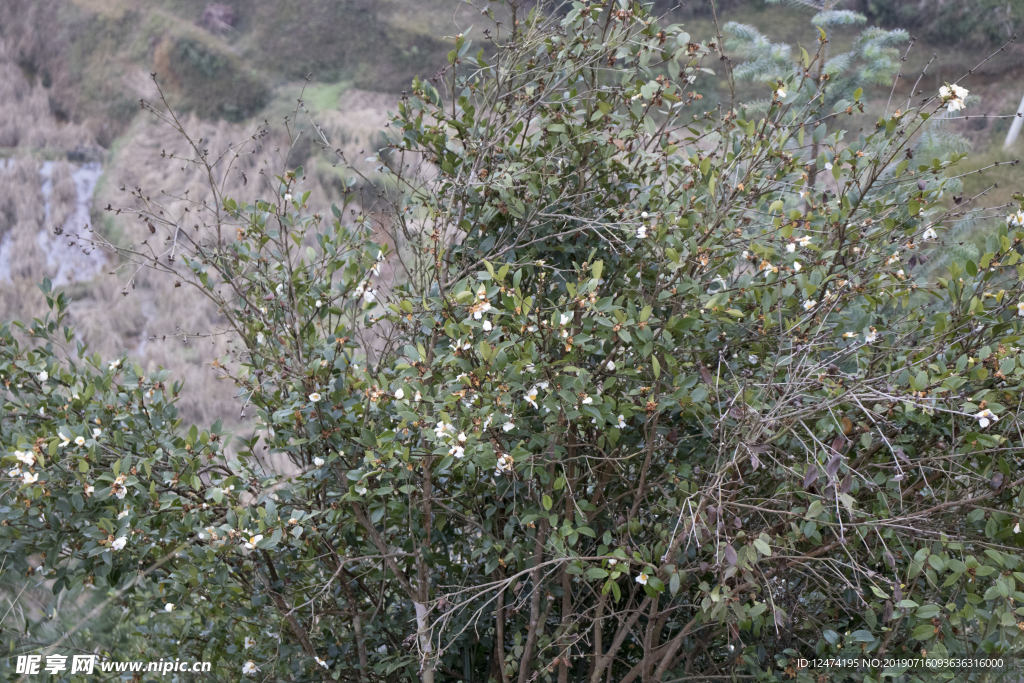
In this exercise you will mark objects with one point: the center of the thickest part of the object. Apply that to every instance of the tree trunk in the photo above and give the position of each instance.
(1015, 127)
(423, 633)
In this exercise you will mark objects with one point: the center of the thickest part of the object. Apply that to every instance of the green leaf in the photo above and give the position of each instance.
(923, 632)
(547, 502)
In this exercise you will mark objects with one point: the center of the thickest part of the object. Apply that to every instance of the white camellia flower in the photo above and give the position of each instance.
(641, 232)
(314, 397)
(1020, 308)
(441, 427)
(954, 97)
(791, 247)
(89, 489)
(14, 472)
(318, 461)
(1016, 528)
(114, 364)
(249, 668)
(417, 397)
(809, 304)
(124, 513)
(780, 92)
(462, 437)
(872, 336)
(796, 266)
(321, 662)
(319, 303)
(96, 432)
(642, 579)
(508, 426)
(26, 457)
(30, 477)
(360, 489)
(504, 464)
(253, 540)
(754, 360)
(805, 240)
(531, 397)
(169, 607)
(587, 401)
(610, 365)
(119, 543)
(985, 418)
(930, 234)
(622, 422)
(249, 642)
(564, 318)
(43, 376)
(457, 451)
(399, 394)
(487, 326)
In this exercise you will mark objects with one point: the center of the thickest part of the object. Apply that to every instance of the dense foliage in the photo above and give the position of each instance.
(986, 22)
(640, 401)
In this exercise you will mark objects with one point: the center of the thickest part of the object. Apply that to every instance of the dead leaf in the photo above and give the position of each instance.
(811, 476)
(832, 468)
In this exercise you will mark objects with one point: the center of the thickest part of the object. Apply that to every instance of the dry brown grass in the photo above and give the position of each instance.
(26, 117)
(21, 219)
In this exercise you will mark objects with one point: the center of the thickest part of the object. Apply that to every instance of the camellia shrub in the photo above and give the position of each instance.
(637, 403)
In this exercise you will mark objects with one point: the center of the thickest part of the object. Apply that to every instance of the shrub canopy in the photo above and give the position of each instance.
(640, 401)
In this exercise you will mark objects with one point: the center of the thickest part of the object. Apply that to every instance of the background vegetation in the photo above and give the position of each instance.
(75, 72)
